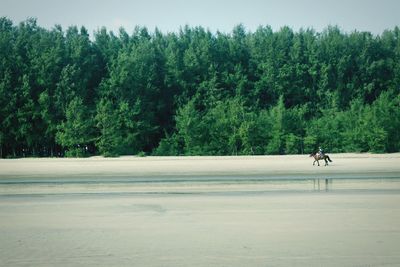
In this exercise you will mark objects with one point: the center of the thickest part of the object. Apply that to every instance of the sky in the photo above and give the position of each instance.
(223, 15)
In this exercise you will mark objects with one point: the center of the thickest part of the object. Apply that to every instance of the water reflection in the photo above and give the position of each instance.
(318, 184)
(209, 186)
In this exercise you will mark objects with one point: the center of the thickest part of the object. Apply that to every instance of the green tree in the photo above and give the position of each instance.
(110, 141)
(196, 92)
(76, 132)
(190, 129)
(276, 143)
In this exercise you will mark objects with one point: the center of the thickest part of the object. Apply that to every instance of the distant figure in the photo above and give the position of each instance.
(317, 156)
(321, 152)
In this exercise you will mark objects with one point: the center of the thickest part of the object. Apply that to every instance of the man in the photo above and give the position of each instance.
(321, 152)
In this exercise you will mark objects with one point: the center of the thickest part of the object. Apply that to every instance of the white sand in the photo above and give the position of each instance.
(293, 166)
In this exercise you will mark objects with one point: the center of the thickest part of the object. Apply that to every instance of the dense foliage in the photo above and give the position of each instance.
(195, 92)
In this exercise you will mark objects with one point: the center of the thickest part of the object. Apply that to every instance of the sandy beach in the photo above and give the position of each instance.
(200, 211)
(290, 166)
(284, 229)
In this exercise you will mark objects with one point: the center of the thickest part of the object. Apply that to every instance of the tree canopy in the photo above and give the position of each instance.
(194, 92)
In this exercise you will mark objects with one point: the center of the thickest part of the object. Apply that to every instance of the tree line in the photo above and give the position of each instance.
(194, 92)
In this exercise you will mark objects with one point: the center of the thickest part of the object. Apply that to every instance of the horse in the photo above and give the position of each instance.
(318, 156)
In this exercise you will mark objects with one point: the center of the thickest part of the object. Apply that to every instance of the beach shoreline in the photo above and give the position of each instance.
(200, 211)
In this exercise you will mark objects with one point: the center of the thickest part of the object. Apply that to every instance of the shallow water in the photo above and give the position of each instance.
(341, 222)
(199, 186)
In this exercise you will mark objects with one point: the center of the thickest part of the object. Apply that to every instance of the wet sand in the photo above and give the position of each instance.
(304, 228)
(200, 211)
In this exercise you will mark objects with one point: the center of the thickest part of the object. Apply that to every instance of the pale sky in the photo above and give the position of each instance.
(170, 15)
